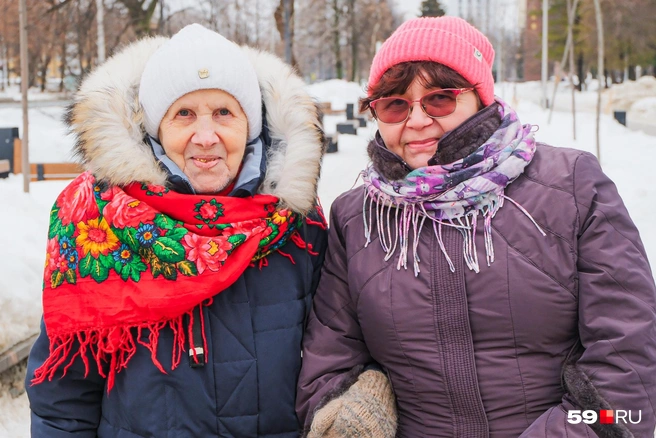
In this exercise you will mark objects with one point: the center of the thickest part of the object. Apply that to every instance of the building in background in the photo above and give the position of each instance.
(530, 24)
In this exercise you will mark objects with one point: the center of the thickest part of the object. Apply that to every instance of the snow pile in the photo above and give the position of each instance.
(338, 92)
(646, 107)
(624, 96)
(24, 221)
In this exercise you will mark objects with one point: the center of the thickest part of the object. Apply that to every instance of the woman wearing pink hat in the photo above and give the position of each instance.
(479, 284)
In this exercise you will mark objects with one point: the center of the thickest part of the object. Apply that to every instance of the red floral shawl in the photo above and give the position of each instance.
(142, 257)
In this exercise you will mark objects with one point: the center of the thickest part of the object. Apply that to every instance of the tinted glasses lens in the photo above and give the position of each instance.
(391, 110)
(439, 103)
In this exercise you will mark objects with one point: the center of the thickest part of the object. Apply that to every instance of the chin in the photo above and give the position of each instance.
(211, 187)
(416, 164)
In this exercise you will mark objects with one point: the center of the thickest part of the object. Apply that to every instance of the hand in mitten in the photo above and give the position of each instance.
(366, 409)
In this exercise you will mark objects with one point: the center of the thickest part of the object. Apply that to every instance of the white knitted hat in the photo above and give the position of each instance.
(193, 59)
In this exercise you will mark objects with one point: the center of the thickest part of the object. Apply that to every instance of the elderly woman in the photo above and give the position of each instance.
(498, 282)
(180, 269)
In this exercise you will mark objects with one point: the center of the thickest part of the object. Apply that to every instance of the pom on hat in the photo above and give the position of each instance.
(197, 58)
(450, 41)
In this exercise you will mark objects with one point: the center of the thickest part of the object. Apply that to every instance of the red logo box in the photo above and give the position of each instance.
(606, 416)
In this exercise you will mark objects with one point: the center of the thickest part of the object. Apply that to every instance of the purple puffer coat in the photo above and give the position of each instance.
(556, 323)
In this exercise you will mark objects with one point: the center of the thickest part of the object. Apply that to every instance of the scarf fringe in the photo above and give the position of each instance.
(407, 223)
(111, 349)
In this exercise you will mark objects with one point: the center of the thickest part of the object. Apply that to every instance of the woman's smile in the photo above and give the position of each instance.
(205, 162)
(420, 145)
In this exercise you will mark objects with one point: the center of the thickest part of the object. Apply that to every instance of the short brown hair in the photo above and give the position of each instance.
(399, 77)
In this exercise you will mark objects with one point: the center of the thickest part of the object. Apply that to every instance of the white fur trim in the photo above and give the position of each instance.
(294, 164)
(107, 120)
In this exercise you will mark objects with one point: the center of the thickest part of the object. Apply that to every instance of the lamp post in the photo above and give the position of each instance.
(25, 81)
(545, 54)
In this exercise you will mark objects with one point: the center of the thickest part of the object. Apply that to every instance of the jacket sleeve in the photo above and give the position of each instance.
(617, 318)
(67, 405)
(316, 236)
(333, 344)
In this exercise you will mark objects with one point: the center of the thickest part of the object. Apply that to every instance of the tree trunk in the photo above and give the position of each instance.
(284, 16)
(64, 63)
(33, 69)
(44, 72)
(600, 68)
(140, 17)
(571, 66)
(580, 72)
(569, 44)
(354, 43)
(339, 72)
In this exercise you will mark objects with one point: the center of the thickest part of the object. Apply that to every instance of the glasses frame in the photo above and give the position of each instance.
(456, 91)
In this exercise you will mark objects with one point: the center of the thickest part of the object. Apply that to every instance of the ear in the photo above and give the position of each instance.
(479, 103)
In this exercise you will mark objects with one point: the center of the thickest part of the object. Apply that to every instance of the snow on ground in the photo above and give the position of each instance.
(48, 139)
(337, 91)
(24, 221)
(13, 93)
(626, 156)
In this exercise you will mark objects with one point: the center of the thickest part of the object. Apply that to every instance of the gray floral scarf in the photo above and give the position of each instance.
(451, 194)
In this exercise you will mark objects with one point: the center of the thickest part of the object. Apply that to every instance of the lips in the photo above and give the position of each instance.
(205, 162)
(428, 143)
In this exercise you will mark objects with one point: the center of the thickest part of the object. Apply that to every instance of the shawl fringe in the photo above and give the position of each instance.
(112, 348)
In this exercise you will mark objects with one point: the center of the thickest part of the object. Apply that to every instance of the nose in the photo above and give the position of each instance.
(418, 119)
(205, 134)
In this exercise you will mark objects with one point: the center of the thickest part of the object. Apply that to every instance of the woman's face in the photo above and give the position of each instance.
(416, 140)
(204, 133)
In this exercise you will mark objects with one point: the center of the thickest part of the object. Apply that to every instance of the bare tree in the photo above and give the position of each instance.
(9, 44)
(375, 22)
(600, 68)
(85, 16)
(284, 16)
(569, 47)
(571, 12)
(331, 41)
(336, 32)
(354, 37)
(141, 14)
(313, 38)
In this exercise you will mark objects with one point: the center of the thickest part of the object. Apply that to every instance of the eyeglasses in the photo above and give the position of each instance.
(436, 104)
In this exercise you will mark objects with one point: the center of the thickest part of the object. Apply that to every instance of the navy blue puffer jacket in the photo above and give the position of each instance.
(247, 389)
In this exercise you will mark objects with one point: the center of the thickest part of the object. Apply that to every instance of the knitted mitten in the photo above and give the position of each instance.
(366, 410)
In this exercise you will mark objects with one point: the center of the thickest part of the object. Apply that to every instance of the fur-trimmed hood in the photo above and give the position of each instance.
(107, 121)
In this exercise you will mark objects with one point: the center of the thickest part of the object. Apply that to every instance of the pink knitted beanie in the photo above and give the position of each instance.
(450, 41)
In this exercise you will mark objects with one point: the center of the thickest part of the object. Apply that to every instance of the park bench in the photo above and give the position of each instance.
(45, 171)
